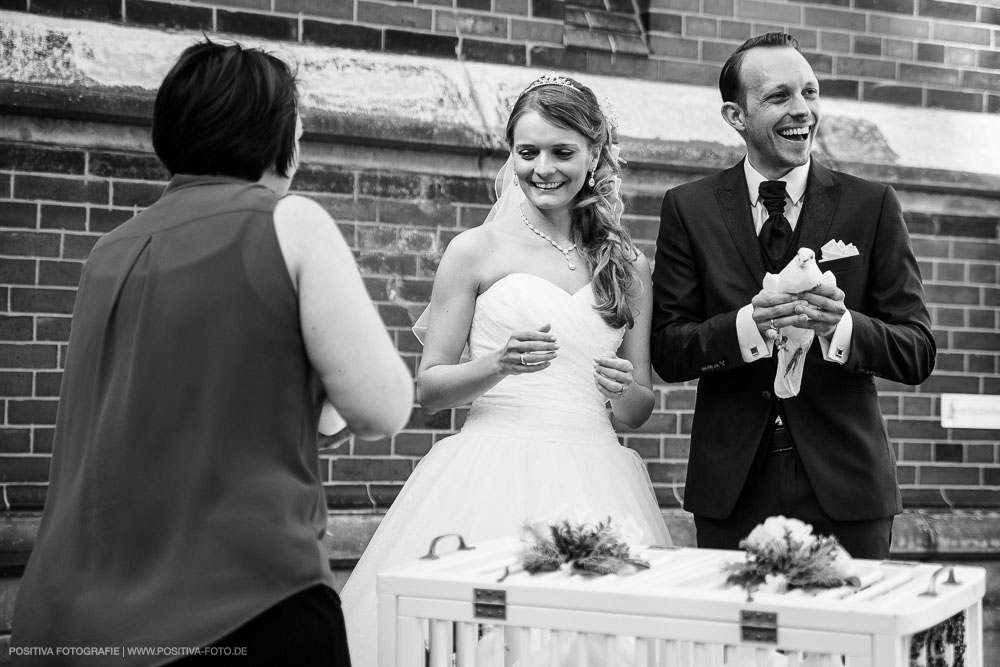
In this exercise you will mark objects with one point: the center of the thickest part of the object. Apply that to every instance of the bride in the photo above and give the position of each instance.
(554, 303)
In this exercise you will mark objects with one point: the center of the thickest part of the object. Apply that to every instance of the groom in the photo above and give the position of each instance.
(823, 455)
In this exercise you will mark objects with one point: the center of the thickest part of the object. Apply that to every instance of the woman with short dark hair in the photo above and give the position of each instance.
(185, 505)
(225, 110)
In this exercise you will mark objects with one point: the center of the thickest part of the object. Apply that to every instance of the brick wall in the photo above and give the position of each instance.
(916, 52)
(941, 467)
(55, 201)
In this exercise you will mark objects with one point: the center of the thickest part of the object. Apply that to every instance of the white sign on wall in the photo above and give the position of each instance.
(970, 411)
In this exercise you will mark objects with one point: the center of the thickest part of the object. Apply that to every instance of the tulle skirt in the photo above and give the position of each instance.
(482, 486)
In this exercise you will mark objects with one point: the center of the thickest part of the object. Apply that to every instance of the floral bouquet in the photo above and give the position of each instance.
(581, 545)
(783, 553)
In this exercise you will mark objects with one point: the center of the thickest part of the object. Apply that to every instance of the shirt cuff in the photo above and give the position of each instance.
(752, 344)
(838, 348)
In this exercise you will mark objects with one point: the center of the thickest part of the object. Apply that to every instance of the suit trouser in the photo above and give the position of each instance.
(778, 484)
(305, 630)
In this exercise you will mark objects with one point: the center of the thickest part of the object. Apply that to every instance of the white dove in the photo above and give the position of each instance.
(801, 275)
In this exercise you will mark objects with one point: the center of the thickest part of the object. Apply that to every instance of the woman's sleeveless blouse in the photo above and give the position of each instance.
(185, 495)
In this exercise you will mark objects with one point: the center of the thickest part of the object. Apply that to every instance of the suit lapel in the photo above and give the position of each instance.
(821, 199)
(734, 202)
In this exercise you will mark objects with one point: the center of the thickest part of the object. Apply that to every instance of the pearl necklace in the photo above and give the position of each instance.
(565, 251)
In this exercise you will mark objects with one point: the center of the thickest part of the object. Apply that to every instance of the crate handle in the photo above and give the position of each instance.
(431, 555)
(950, 581)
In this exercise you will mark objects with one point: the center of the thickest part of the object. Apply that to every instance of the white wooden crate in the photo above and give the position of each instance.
(679, 612)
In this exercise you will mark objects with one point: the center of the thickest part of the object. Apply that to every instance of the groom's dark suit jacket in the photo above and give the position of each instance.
(709, 264)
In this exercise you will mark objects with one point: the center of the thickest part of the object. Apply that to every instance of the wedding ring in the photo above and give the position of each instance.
(622, 390)
(772, 325)
(530, 363)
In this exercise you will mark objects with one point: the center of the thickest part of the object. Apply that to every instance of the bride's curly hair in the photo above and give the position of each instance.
(596, 215)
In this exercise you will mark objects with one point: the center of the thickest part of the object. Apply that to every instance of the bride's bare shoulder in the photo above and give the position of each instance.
(476, 245)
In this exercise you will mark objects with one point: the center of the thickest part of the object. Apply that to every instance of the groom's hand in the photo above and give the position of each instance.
(774, 310)
(824, 306)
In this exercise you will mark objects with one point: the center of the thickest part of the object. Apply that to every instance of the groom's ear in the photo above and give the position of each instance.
(732, 113)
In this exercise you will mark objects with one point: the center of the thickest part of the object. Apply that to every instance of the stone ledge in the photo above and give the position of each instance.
(94, 71)
(917, 535)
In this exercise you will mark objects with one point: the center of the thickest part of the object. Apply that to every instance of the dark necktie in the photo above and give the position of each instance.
(776, 232)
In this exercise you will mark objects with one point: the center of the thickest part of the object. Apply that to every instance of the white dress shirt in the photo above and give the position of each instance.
(753, 345)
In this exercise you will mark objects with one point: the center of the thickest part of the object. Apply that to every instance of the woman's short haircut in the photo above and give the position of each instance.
(730, 82)
(227, 110)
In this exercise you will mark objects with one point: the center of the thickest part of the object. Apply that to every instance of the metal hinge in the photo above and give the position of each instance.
(759, 626)
(489, 604)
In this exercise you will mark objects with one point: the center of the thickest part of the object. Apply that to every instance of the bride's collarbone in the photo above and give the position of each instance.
(508, 252)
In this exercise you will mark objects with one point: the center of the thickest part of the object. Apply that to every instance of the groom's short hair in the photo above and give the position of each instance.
(228, 110)
(730, 84)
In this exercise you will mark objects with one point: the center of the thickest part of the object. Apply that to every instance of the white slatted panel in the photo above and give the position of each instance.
(440, 643)
(554, 640)
(578, 650)
(610, 642)
(410, 642)
(645, 653)
(677, 614)
(518, 644)
(702, 655)
(670, 654)
(466, 641)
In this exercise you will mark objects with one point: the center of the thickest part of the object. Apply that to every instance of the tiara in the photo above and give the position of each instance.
(550, 79)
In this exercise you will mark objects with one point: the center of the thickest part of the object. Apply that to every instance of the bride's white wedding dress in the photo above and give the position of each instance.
(531, 444)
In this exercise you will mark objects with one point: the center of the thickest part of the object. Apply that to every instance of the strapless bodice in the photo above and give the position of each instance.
(562, 400)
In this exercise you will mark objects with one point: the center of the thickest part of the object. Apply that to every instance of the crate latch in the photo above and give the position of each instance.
(759, 626)
(489, 604)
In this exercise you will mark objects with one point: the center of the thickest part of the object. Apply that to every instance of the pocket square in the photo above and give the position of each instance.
(834, 249)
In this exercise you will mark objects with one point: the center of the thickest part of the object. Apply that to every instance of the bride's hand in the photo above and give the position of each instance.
(613, 376)
(528, 351)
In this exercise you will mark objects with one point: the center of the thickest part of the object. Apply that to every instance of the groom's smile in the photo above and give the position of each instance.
(797, 134)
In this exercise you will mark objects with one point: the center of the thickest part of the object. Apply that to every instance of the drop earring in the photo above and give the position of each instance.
(591, 181)
(515, 180)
